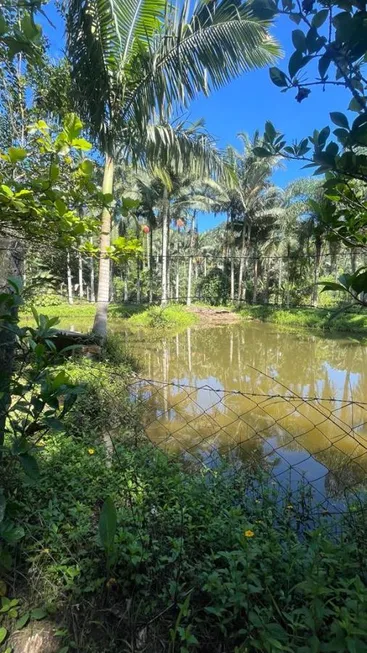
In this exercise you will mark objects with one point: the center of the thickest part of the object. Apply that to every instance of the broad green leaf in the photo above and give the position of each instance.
(108, 524)
(81, 144)
(17, 154)
(3, 634)
(30, 465)
(72, 126)
(261, 152)
(38, 614)
(339, 119)
(22, 621)
(87, 167)
(319, 18)
(278, 77)
(295, 63)
(299, 40)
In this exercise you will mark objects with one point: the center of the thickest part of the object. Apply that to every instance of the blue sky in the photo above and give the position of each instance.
(247, 102)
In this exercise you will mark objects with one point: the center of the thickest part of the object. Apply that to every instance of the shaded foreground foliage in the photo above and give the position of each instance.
(201, 560)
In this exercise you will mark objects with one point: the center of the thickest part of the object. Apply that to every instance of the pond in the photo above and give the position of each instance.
(293, 403)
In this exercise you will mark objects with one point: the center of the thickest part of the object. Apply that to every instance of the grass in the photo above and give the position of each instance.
(311, 318)
(172, 317)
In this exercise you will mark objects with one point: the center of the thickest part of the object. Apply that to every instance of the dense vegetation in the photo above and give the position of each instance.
(109, 543)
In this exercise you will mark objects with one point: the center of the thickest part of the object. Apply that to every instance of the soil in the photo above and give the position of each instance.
(214, 316)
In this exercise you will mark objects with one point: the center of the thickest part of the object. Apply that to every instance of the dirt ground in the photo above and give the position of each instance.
(214, 316)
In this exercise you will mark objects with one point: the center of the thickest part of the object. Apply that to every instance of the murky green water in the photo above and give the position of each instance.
(290, 402)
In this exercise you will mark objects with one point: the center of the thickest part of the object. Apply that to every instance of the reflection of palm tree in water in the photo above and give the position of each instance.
(225, 357)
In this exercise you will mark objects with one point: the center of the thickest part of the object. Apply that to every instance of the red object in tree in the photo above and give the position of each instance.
(146, 229)
(180, 223)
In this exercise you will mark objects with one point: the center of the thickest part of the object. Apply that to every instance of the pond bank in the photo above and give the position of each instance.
(309, 318)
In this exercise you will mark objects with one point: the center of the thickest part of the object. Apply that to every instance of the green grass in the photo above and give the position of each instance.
(311, 318)
(169, 318)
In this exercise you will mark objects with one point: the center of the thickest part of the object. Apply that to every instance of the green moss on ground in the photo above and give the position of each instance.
(311, 318)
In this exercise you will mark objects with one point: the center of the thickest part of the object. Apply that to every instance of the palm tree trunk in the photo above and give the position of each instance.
(138, 282)
(126, 285)
(189, 274)
(92, 282)
(100, 320)
(242, 261)
(256, 276)
(178, 267)
(151, 265)
(280, 281)
(165, 228)
(80, 274)
(69, 278)
(315, 294)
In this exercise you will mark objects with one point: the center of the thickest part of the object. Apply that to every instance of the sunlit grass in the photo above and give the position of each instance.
(312, 318)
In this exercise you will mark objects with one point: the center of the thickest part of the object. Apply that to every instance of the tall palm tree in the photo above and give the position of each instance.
(132, 59)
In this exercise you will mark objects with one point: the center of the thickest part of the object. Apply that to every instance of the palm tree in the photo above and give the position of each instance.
(132, 59)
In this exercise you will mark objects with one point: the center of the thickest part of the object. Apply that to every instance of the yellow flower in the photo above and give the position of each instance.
(91, 451)
(290, 507)
(249, 533)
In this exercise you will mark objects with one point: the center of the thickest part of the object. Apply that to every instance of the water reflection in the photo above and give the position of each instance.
(210, 397)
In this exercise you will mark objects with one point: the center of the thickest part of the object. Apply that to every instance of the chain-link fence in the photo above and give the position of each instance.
(293, 441)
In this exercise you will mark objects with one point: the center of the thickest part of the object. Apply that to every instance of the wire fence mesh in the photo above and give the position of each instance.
(296, 442)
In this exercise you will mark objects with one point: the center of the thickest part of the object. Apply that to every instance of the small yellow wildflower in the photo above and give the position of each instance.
(249, 533)
(290, 507)
(91, 451)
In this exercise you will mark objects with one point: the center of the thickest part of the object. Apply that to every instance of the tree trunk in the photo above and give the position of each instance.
(126, 285)
(256, 275)
(69, 277)
(189, 272)
(80, 274)
(92, 283)
(165, 228)
(11, 265)
(138, 283)
(315, 294)
(242, 261)
(353, 259)
(151, 265)
(100, 320)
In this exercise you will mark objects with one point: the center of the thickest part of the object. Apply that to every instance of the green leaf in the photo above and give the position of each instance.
(108, 524)
(3, 634)
(354, 105)
(87, 167)
(81, 144)
(299, 40)
(3, 25)
(261, 152)
(319, 18)
(339, 119)
(72, 126)
(22, 621)
(17, 154)
(38, 614)
(278, 77)
(324, 63)
(331, 285)
(30, 465)
(295, 63)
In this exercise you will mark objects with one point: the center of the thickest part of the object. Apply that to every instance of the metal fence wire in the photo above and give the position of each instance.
(296, 440)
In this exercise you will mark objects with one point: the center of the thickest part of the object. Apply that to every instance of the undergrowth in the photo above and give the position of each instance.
(209, 561)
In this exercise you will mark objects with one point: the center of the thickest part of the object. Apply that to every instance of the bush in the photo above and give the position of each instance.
(214, 288)
(206, 562)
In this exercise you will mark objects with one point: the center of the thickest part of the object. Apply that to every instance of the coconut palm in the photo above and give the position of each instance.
(132, 59)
